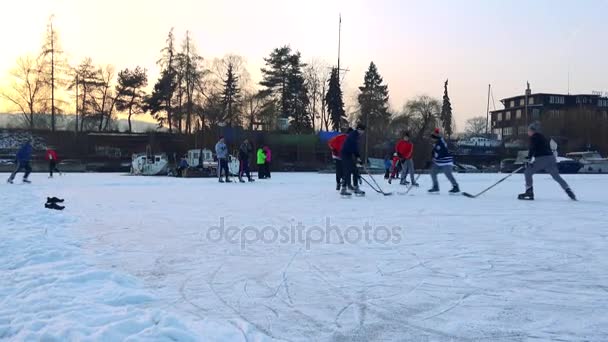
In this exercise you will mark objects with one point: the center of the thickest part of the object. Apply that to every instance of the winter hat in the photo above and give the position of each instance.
(361, 127)
(436, 134)
(350, 129)
(221, 137)
(534, 127)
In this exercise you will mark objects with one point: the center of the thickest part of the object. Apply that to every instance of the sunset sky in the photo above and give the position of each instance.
(416, 44)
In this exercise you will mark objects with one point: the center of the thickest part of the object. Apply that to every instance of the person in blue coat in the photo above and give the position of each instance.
(350, 156)
(442, 162)
(23, 159)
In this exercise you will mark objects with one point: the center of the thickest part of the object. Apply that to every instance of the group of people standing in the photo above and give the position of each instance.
(263, 160)
(23, 162)
(345, 153)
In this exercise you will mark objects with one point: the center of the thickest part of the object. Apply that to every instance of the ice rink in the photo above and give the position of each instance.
(158, 258)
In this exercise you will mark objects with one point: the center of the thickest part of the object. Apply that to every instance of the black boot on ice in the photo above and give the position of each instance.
(434, 190)
(359, 192)
(344, 191)
(53, 206)
(528, 195)
(54, 200)
(571, 194)
(338, 187)
(455, 189)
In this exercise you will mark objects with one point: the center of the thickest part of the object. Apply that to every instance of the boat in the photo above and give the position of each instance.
(564, 165)
(479, 142)
(592, 161)
(145, 164)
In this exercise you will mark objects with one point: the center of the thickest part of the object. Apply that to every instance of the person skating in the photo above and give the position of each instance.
(387, 166)
(405, 151)
(350, 156)
(544, 159)
(442, 162)
(22, 160)
(51, 157)
(268, 154)
(261, 162)
(394, 167)
(335, 146)
(245, 151)
(221, 151)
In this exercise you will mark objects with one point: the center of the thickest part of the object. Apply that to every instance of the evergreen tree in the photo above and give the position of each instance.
(276, 77)
(446, 111)
(284, 81)
(130, 93)
(190, 74)
(373, 103)
(334, 101)
(88, 80)
(231, 96)
(162, 97)
(52, 54)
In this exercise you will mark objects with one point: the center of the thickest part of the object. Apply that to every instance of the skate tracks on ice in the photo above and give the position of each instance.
(491, 268)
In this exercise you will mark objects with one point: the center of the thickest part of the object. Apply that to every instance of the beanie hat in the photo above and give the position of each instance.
(534, 127)
(436, 133)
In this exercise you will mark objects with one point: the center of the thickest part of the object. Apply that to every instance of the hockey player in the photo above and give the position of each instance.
(245, 151)
(22, 159)
(268, 153)
(405, 151)
(442, 162)
(350, 157)
(335, 146)
(221, 151)
(544, 159)
(51, 157)
(261, 162)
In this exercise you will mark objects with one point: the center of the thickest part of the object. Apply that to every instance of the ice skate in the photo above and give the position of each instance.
(455, 190)
(528, 195)
(359, 192)
(9, 181)
(344, 191)
(434, 190)
(27, 181)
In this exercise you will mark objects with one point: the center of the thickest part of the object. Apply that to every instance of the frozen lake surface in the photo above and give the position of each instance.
(288, 259)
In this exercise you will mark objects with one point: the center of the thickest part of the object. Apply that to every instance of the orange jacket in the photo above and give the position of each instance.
(404, 149)
(335, 145)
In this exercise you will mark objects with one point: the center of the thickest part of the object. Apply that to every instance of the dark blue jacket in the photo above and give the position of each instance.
(441, 154)
(25, 153)
(539, 146)
(350, 149)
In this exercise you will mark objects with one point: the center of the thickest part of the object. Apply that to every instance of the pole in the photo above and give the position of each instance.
(488, 109)
(339, 41)
(76, 128)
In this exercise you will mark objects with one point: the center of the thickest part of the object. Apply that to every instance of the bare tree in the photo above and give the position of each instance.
(316, 76)
(28, 90)
(55, 67)
(419, 116)
(476, 125)
(104, 101)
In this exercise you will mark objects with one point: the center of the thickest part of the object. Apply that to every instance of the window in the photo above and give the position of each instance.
(535, 114)
(559, 100)
(508, 116)
(499, 117)
(507, 131)
(498, 133)
(522, 130)
(512, 103)
(518, 114)
(522, 102)
(531, 100)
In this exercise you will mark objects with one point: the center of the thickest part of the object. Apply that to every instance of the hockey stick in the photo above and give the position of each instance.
(466, 194)
(378, 188)
(410, 187)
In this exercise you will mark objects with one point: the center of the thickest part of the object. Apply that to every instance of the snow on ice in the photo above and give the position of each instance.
(157, 258)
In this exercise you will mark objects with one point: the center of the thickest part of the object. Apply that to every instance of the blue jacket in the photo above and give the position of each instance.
(221, 150)
(25, 153)
(350, 149)
(441, 154)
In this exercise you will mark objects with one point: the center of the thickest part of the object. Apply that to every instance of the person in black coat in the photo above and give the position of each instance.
(544, 159)
(245, 151)
(350, 156)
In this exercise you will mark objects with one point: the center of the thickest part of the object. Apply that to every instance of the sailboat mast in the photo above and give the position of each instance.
(488, 109)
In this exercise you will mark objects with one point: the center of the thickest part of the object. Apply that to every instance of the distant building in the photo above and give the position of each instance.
(519, 111)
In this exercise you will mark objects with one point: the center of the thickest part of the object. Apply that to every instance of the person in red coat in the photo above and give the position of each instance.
(395, 166)
(51, 157)
(335, 146)
(405, 151)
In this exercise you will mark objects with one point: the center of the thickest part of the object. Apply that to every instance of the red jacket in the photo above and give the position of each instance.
(395, 160)
(335, 145)
(404, 149)
(51, 155)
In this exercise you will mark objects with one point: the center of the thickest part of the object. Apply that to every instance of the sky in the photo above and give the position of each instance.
(416, 45)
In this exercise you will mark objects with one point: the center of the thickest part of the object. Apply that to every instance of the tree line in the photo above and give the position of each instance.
(192, 94)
